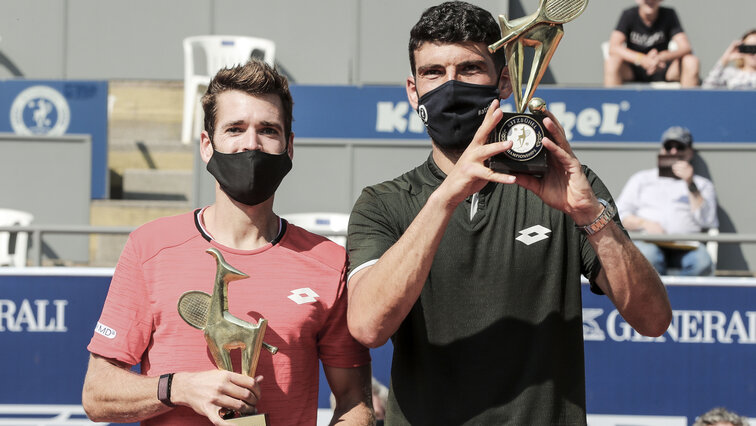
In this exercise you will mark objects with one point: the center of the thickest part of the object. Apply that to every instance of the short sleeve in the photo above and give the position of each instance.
(625, 21)
(591, 266)
(125, 326)
(675, 27)
(336, 346)
(371, 230)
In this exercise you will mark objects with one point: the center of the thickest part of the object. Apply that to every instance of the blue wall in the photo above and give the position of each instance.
(705, 359)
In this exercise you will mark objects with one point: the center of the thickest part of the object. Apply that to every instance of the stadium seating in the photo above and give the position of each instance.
(13, 246)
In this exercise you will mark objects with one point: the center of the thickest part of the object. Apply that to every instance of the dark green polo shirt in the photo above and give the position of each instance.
(496, 335)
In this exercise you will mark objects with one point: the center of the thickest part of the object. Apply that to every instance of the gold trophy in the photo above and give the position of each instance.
(541, 31)
(224, 332)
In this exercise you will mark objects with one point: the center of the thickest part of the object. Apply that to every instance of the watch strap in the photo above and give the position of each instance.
(164, 389)
(602, 220)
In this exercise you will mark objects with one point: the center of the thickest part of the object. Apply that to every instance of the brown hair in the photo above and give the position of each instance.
(254, 78)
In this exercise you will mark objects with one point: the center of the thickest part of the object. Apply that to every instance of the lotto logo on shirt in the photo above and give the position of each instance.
(303, 295)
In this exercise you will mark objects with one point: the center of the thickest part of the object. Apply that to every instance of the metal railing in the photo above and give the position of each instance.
(733, 237)
(36, 232)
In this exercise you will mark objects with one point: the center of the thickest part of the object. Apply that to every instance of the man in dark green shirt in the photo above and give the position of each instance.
(475, 275)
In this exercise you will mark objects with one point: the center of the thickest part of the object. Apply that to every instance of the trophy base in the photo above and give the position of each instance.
(253, 420)
(527, 155)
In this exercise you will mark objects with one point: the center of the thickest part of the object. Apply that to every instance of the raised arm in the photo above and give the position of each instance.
(626, 276)
(113, 393)
(381, 296)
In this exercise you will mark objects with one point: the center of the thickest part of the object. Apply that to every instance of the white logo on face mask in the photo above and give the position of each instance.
(423, 113)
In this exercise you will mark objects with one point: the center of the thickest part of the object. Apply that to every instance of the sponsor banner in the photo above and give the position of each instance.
(47, 317)
(705, 359)
(588, 115)
(46, 323)
(57, 107)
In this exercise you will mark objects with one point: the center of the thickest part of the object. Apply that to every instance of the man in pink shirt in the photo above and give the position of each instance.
(296, 281)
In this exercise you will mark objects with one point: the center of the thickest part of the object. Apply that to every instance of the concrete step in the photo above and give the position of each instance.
(145, 112)
(155, 158)
(147, 162)
(148, 184)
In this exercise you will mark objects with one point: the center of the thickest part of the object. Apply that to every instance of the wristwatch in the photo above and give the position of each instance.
(164, 389)
(602, 220)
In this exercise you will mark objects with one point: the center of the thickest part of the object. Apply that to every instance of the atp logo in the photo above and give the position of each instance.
(303, 295)
(40, 110)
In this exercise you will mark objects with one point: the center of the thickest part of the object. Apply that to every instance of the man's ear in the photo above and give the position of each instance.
(206, 146)
(290, 146)
(505, 84)
(412, 92)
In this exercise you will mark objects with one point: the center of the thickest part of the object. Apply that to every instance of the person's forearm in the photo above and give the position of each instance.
(632, 222)
(631, 282)
(668, 56)
(631, 56)
(696, 199)
(115, 394)
(352, 392)
(381, 296)
(359, 414)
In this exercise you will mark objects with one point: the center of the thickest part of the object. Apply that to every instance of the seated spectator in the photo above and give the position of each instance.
(639, 48)
(720, 417)
(736, 69)
(671, 200)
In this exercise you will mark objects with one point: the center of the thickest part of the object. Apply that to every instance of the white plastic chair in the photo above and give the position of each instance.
(17, 258)
(325, 224)
(220, 52)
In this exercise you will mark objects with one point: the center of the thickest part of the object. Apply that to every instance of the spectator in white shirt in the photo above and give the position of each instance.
(675, 202)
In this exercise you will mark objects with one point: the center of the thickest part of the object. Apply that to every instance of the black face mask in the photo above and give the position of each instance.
(454, 111)
(249, 177)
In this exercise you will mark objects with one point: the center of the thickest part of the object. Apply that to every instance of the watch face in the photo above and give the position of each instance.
(526, 135)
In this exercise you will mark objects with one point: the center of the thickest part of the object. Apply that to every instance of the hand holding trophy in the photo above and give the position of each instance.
(541, 31)
(223, 331)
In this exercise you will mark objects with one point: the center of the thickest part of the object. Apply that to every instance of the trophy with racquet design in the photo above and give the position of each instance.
(224, 332)
(542, 32)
